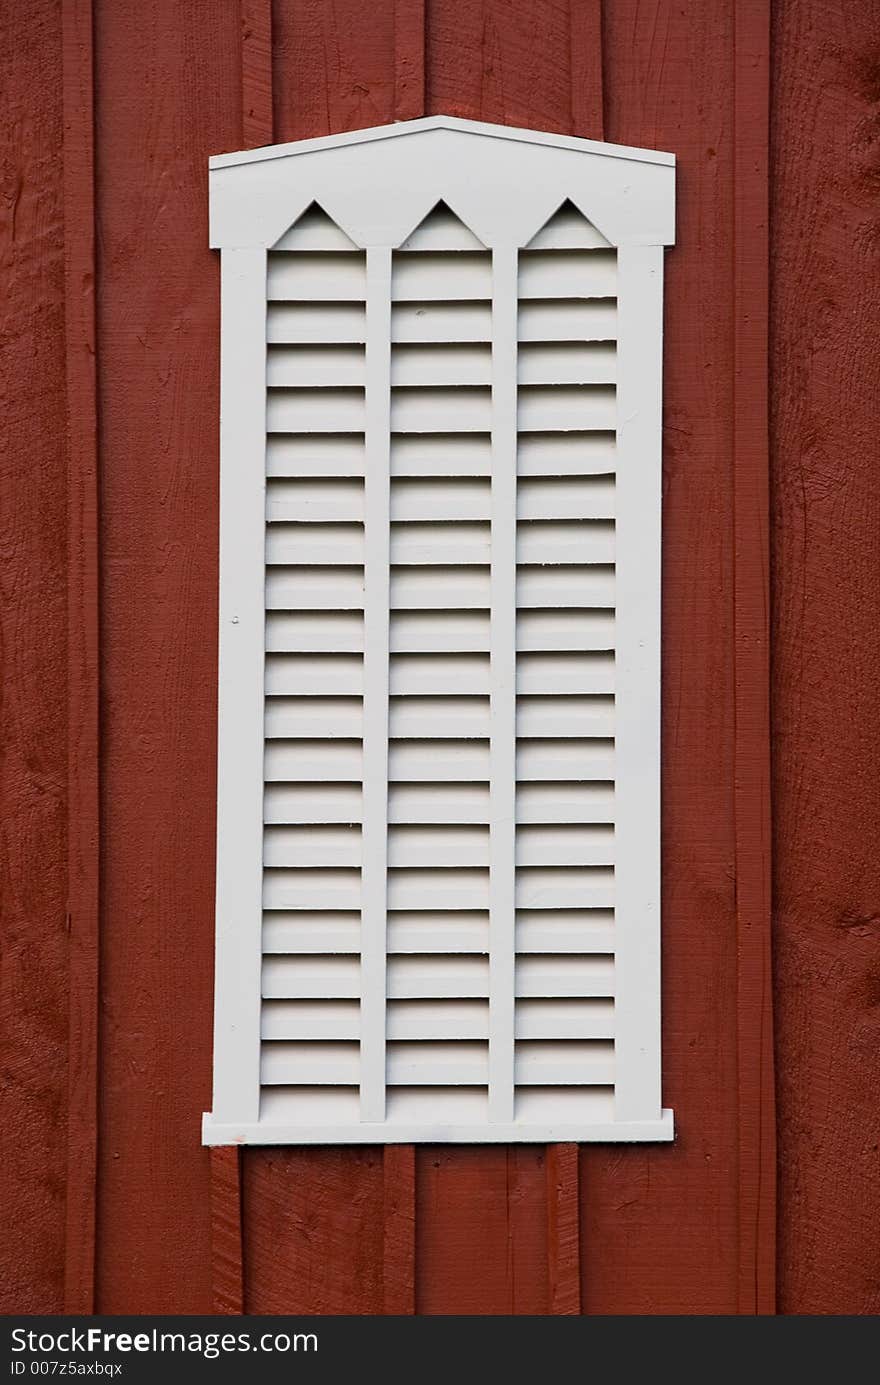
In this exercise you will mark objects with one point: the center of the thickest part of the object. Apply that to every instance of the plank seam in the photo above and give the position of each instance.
(752, 819)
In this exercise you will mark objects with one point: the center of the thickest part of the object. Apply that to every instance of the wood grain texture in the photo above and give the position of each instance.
(227, 1263)
(82, 656)
(409, 59)
(526, 62)
(756, 1133)
(33, 639)
(685, 1229)
(660, 1227)
(399, 1218)
(315, 1230)
(168, 78)
(585, 69)
(563, 1229)
(257, 122)
(826, 695)
(481, 1230)
(334, 65)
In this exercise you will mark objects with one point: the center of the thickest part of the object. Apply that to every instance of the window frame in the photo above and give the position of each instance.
(377, 185)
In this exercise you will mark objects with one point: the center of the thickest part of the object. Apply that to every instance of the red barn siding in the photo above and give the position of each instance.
(661, 1233)
(168, 94)
(826, 693)
(33, 631)
(687, 1228)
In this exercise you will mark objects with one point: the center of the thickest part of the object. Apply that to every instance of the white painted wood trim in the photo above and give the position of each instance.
(240, 699)
(374, 868)
(637, 748)
(441, 122)
(504, 184)
(332, 419)
(502, 666)
(509, 1132)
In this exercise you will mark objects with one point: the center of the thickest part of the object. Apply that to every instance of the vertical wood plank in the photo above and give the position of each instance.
(409, 59)
(825, 306)
(377, 580)
(82, 655)
(751, 272)
(481, 1230)
(660, 1226)
(256, 73)
(399, 1218)
(334, 65)
(517, 62)
(170, 95)
(314, 1230)
(34, 696)
(227, 1283)
(563, 1229)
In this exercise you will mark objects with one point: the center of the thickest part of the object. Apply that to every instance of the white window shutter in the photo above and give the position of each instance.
(438, 868)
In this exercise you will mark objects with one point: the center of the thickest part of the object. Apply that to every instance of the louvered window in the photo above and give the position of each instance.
(438, 775)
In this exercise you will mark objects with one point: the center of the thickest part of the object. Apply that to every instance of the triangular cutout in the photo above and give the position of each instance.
(314, 230)
(441, 229)
(568, 229)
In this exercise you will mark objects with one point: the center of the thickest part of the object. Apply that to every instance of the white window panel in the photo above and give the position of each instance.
(438, 869)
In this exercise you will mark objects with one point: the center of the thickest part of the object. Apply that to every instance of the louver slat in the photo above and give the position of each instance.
(565, 764)
(315, 323)
(439, 718)
(316, 277)
(439, 599)
(447, 634)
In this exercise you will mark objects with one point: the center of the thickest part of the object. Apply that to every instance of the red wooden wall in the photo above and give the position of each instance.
(770, 1196)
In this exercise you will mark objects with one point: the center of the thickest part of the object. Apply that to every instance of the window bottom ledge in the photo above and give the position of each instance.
(391, 1132)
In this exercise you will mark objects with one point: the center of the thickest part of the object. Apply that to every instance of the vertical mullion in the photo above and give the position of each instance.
(374, 832)
(637, 684)
(502, 745)
(240, 723)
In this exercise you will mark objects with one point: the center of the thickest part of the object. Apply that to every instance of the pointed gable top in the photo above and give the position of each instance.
(440, 122)
(568, 229)
(314, 230)
(452, 183)
(441, 229)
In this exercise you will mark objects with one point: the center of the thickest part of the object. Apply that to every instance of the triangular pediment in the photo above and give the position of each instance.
(568, 229)
(444, 184)
(314, 230)
(441, 229)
